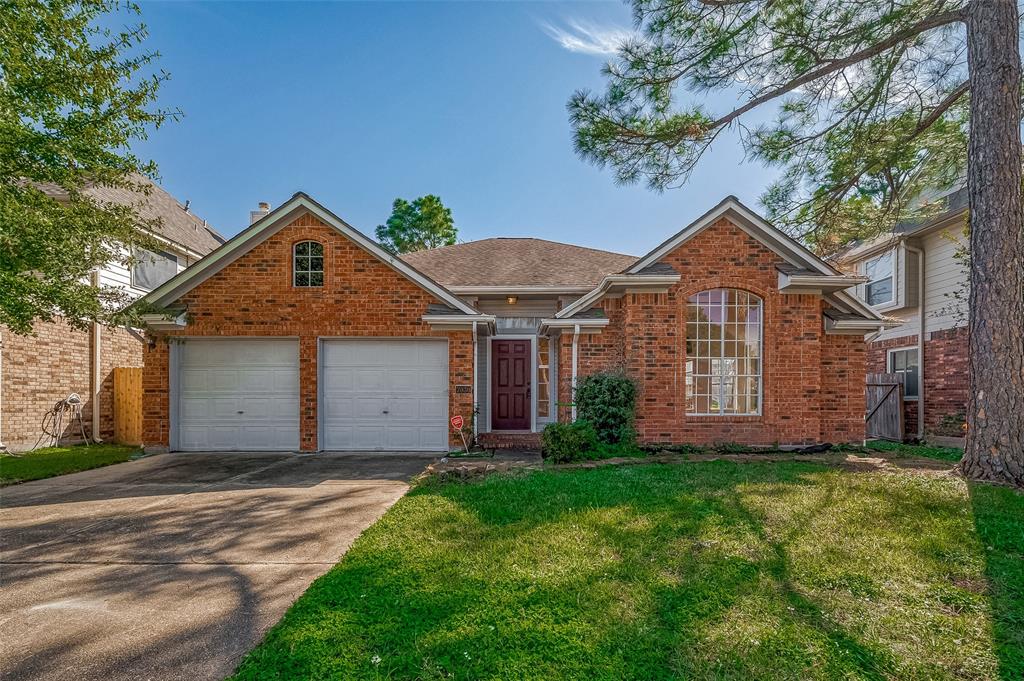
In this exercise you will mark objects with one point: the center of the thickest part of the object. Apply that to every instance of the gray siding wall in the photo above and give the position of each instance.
(943, 275)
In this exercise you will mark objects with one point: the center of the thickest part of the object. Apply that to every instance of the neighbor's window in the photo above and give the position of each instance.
(905, 362)
(723, 353)
(879, 289)
(308, 268)
(153, 268)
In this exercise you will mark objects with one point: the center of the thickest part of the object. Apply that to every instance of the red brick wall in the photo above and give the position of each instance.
(945, 378)
(254, 296)
(50, 364)
(812, 383)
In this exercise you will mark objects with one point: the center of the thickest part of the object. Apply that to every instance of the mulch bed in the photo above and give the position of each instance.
(467, 468)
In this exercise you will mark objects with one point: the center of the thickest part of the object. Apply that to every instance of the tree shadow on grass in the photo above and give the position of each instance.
(999, 522)
(655, 572)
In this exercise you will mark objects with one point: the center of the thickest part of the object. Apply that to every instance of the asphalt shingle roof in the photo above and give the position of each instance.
(177, 225)
(510, 261)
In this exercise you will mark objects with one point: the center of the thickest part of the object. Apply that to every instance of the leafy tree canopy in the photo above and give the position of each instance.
(73, 95)
(424, 223)
(871, 98)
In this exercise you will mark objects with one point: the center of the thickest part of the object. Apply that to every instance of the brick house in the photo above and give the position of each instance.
(915, 277)
(56, 359)
(301, 333)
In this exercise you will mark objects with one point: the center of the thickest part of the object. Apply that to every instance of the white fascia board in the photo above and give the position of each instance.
(802, 283)
(615, 280)
(274, 221)
(854, 304)
(161, 322)
(458, 320)
(584, 325)
(853, 326)
(751, 223)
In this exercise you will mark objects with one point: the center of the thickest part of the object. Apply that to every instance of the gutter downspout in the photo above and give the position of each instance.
(94, 370)
(575, 356)
(920, 337)
(476, 359)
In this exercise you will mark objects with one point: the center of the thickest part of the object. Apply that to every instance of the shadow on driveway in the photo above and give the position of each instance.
(174, 566)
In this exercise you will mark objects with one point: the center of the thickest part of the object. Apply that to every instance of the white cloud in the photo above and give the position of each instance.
(587, 38)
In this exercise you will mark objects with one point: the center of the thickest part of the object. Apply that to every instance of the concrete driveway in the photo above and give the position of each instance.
(174, 566)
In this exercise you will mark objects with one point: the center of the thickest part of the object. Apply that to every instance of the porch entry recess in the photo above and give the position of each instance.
(511, 369)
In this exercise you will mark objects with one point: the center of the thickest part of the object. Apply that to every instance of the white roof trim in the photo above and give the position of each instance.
(161, 322)
(592, 325)
(854, 326)
(854, 303)
(751, 223)
(798, 283)
(632, 280)
(277, 219)
(457, 319)
(569, 323)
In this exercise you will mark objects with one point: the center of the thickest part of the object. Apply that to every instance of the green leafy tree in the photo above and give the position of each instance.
(73, 95)
(877, 101)
(424, 223)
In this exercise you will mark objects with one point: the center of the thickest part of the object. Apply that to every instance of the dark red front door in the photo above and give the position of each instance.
(510, 385)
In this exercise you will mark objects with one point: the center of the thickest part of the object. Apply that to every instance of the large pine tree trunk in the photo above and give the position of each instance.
(995, 413)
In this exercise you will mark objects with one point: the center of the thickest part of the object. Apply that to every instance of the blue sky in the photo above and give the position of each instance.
(359, 103)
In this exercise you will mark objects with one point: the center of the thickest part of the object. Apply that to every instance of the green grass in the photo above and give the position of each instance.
(51, 461)
(711, 570)
(951, 454)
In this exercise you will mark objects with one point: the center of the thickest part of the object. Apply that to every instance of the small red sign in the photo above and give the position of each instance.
(457, 422)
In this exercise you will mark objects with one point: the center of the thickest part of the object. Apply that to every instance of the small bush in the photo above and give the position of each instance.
(608, 401)
(565, 442)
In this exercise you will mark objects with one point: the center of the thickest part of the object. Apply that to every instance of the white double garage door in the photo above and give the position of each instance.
(373, 394)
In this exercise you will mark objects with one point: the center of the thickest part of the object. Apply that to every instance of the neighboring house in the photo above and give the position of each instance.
(301, 333)
(57, 360)
(915, 277)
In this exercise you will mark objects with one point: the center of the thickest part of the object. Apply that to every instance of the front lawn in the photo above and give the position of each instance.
(709, 570)
(51, 461)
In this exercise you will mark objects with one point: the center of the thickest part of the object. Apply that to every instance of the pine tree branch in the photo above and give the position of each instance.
(834, 65)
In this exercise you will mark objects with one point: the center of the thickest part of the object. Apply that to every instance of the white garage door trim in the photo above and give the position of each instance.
(424, 432)
(259, 431)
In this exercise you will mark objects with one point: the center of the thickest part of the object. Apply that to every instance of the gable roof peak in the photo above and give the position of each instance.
(750, 222)
(278, 218)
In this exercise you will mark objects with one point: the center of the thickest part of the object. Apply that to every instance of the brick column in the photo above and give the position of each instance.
(308, 393)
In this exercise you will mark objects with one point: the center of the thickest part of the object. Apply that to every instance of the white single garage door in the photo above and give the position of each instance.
(384, 394)
(238, 394)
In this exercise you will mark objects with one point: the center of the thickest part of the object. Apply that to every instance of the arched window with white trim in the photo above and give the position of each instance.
(723, 353)
(308, 264)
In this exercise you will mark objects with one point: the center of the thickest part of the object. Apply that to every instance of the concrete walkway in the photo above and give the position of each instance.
(174, 566)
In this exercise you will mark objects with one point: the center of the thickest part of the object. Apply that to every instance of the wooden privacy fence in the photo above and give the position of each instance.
(128, 405)
(885, 406)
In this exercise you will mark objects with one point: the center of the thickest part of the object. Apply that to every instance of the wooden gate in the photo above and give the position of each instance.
(128, 405)
(885, 406)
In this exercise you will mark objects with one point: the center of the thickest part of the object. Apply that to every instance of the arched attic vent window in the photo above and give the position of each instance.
(308, 264)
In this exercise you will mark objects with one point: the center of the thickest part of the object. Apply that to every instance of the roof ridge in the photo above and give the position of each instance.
(521, 238)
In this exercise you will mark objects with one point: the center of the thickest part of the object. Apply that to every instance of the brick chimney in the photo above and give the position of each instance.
(258, 214)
